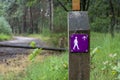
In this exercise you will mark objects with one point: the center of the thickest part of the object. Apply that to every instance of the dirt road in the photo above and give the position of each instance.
(16, 59)
(17, 40)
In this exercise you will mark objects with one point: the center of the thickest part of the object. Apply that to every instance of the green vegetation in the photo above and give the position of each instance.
(5, 27)
(35, 52)
(5, 30)
(4, 37)
(100, 25)
(104, 56)
(52, 68)
(49, 37)
(60, 24)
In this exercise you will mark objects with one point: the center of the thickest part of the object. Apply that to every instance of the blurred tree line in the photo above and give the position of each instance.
(26, 16)
(33, 16)
(104, 15)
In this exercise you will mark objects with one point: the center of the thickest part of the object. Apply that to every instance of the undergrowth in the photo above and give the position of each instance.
(51, 68)
(4, 37)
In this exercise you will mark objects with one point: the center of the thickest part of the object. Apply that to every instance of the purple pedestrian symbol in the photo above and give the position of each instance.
(79, 43)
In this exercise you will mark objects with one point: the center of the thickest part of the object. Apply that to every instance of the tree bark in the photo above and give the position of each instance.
(23, 30)
(31, 20)
(51, 14)
(118, 15)
(84, 5)
(87, 6)
(112, 18)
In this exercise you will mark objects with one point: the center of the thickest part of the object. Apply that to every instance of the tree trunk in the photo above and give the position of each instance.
(112, 18)
(51, 14)
(84, 5)
(31, 20)
(23, 30)
(118, 15)
(87, 6)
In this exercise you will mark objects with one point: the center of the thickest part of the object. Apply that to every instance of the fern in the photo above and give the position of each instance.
(34, 54)
(35, 51)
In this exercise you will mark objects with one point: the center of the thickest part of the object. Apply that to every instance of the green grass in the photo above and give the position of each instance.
(44, 38)
(44, 35)
(52, 39)
(4, 37)
(106, 46)
(52, 68)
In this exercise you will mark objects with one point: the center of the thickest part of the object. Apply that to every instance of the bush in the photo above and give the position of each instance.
(100, 25)
(52, 68)
(55, 39)
(5, 27)
(46, 32)
(60, 20)
(4, 37)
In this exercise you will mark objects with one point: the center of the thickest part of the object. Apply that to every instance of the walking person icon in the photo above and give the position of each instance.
(79, 43)
(75, 44)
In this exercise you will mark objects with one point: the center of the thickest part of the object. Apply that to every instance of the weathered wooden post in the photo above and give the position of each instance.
(76, 5)
(79, 52)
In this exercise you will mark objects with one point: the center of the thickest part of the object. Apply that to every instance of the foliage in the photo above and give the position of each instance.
(4, 37)
(1, 10)
(55, 38)
(50, 38)
(104, 56)
(41, 36)
(31, 3)
(60, 20)
(35, 52)
(33, 44)
(52, 68)
(116, 71)
(46, 32)
(100, 14)
(100, 24)
(5, 27)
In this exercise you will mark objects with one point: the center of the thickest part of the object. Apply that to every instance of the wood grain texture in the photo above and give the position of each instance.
(76, 5)
(79, 63)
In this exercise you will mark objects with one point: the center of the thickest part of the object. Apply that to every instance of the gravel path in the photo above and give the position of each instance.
(16, 59)
(17, 40)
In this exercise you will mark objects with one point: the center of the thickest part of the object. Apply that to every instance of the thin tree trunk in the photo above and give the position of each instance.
(87, 6)
(24, 21)
(84, 5)
(31, 21)
(51, 14)
(112, 18)
(118, 15)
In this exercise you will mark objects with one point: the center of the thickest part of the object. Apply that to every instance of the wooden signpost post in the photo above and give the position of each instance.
(79, 52)
(76, 5)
